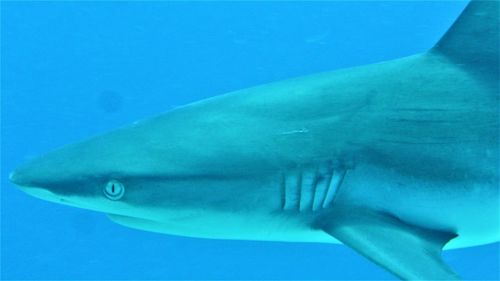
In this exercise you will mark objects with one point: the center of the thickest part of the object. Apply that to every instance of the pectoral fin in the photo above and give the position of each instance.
(408, 251)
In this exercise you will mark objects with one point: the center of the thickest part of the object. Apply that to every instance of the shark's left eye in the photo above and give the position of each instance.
(114, 190)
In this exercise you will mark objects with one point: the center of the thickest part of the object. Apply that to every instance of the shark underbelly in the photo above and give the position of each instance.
(285, 206)
(468, 208)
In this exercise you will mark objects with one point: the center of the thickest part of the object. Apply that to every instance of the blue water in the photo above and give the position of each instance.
(73, 70)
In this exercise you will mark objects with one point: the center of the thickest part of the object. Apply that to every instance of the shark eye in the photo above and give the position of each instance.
(114, 190)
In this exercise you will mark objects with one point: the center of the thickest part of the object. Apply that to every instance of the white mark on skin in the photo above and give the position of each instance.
(299, 131)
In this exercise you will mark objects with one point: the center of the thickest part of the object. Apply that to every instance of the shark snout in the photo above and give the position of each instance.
(25, 180)
(41, 171)
(12, 177)
(21, 179)
(29, 174)
(18, 179)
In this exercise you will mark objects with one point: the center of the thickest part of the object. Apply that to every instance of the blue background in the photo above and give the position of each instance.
(73, 70)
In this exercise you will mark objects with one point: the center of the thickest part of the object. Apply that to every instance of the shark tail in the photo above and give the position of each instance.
(473, 40)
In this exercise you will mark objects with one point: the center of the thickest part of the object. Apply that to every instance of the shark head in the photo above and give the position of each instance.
(81, 175)
(160, 168)
(82, 190)
(121, 172)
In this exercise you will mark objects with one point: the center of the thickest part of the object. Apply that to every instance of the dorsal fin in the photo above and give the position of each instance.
(473, 40)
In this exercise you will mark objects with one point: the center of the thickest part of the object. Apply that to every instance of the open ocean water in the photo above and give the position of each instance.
(71, 70)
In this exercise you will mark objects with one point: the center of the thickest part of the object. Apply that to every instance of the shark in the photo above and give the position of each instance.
(397, 160)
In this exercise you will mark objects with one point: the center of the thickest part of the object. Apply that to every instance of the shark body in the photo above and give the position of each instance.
(396, 159)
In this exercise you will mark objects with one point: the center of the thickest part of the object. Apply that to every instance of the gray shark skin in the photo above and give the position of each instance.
(396, 159)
